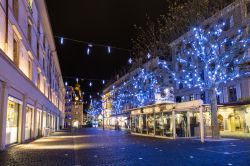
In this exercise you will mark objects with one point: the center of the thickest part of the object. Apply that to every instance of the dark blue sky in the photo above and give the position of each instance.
(108, 22)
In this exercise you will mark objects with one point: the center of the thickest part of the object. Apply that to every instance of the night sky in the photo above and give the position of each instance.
(108, 22)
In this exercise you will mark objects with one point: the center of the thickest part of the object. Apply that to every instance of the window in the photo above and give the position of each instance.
(231, 21)
(29, 31)
(178, 99)
(227, 24)
(43, 64)
(38, 79)
(44, 86)
(180, 86)
(203, 96)
(16, 51)
(15, 7)
(30, 2)
(30, 68)
(191, 98)
(44, 41)
(38, 50)
(232, 95)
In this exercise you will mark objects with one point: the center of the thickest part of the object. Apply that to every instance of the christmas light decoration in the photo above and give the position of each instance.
(103, 82)
(88, 51)
(207, 59)
(109, 49)
(62, 40)
(90, 45)
(130, 60)
(90, 84)
(95, 108)
(148, 55)
(139, 90)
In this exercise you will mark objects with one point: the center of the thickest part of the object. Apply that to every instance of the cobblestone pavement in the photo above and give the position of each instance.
(93, 146)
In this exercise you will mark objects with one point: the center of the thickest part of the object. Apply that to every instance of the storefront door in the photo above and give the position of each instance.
(12, 122)
(29, 122)
(38, 123)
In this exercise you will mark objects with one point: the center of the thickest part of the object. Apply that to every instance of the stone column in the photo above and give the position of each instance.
(42, 130)
(154, 120)
(3, 114)
(173, 124)
(201, 124)
(23, 119)
(188, 124)
(35, 127)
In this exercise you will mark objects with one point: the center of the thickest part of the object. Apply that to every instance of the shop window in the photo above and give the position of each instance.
(12, 122)
(16, 50)
(232, 95)
(15, 7)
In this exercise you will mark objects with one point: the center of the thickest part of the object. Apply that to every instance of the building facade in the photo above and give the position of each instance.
(31, 87)
(74, 114)
(230, 118)
(148, 84)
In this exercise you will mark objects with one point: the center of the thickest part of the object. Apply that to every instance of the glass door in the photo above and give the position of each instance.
(29, 122)
(12, 122)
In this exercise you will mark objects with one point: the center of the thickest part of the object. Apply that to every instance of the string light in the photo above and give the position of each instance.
(130, 60)
(103, 82)
(109, 49)
(90, 84)
(62, 40)
(148, 55)
(95, 108)
(88, 51)
(91, 44)
(77, 80)
(202, 65)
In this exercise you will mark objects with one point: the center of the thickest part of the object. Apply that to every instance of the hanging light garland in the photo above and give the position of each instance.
(90, 45)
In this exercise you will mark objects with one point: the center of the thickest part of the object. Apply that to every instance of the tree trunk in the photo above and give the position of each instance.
(214, 121)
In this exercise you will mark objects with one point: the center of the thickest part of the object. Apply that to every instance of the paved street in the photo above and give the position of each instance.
(93, 146)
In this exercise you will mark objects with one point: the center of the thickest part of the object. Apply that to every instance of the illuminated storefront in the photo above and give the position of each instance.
(170, 120)
(13, 120)
(234, 118)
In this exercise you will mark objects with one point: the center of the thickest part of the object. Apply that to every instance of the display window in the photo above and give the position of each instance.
(12, 122)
